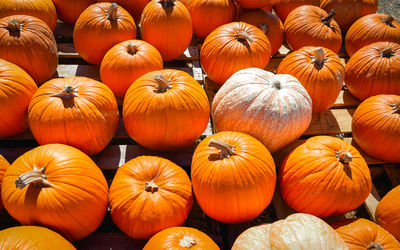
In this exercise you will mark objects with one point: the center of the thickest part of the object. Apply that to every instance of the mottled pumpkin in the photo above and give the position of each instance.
(387, 212)
(69, 10)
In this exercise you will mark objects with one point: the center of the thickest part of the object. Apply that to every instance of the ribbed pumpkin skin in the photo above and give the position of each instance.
(16, 91)
(134, 7)
(284, 7)
(87, 122)
(369, 74)
(170, 239)
(34, 48)
(304, 27)
(313, 180)
(94, 34)
(269, 23)
(140, 213)
(73, 206)
(297, 231)
(3, 167)
(323, 83)
(371, 29)
(360, 233)
(376, 127)
(41, 9)
(166, 121)
(33, 237)
(119, 68)
(69, 10)
(222, 54)
(387, 212)
(250, 103)
(207, 15)
(168, 29)
(234, 189)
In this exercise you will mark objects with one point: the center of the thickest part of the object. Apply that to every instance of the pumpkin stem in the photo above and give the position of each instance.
(319, 57)
(150, 186)
(36, 176)
(388, 20)
(386, 52)
(132, 49)
(15, 25)
(264, 27)
(344, 157)
(67, 93)
(112, 12)
(163, 83)
(225, 150)
(187, 242)
(375, 246)
(327, 20)
(396, 107)
(167, 3)
(277, 84)
(243, 37)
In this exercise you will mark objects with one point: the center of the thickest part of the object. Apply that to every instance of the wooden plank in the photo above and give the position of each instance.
(331, 122)
(371, 202)
(393, 173)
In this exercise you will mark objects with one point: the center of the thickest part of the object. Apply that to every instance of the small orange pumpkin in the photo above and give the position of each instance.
(387, 212)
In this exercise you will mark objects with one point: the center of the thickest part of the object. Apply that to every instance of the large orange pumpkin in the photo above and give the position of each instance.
(99, 28)
(126, 62)
(134, 7)
(284, 7)
(29, 43)
(149, 194)
(16, 91)
(41, 9)
(233, 177)
(167, 25)
(319, 70)
(56, 186)
(254, 4)
(387, 212)
(77, 111)
(232, 47)
(324, 176)
(69, 10)
(165, 110)
(3, 167)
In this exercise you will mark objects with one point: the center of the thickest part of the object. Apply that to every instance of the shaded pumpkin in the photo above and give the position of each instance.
(3, 167)
(56, 186)
(16, 91)
(233, 177)
(99, 28)
(282, 8)
(387, 212)
(149, 194)
(76, 111)
(69, 10)
(29, 43)
(254, 4)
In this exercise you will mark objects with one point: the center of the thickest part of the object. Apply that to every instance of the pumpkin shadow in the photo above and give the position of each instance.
(90, 71)
(347, 170)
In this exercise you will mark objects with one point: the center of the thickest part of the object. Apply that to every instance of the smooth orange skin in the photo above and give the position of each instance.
(284, 7)
(3, 167)
(73, 206)
(16, 91)
(34, 49)
(69, 10)
(387, 212)
(87, 122)
(313, 181)
(235, 189)
(94, 34)
(119, 69)
(141, 214)
(166, 121)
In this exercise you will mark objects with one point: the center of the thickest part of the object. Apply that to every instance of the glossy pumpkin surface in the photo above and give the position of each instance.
(69, 10)
(387, 212)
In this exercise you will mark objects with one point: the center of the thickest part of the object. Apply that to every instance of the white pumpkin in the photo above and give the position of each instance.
(275, 109)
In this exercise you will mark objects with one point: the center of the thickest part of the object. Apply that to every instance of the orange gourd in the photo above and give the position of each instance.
(284, 7)
(254, 4)
(69, 10)
(3, 167)
(134, 7)
(387, 212)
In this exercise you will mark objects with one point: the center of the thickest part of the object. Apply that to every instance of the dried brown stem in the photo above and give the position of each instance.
(163, 83)
(112, 12)
(225, 150)
(35, 176)
(187, 242)
(68, 92)
(150, 186)
(243, 37)
(327, 20)
(132, 49)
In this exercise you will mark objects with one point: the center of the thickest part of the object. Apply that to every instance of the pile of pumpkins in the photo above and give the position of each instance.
(233, 176)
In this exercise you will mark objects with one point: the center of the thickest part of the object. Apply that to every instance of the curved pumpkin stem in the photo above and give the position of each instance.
(187, 242)
(319, 57)
(396, 107)
(35, 176)
(150, 186)
(344, 157)
(375, 246)
(243, 37)
(15, 25)
(163, 83)
(68, 92)
(264, 27)
(327, 20)
(167, 3)
(388, 20)
(225, 150)
(112, 12)
(386, 52)
(132, 49)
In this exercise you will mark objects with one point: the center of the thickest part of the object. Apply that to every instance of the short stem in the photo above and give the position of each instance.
(319, 57)
(375, 246)
(132, 49)
(386, 52)
(344, 157)
(150, 186)
(14, 25)
(35, 176)
(243, 37)
(225, 150)
(167, 3)
(67, 93)
(277, 84)
(264, 27)
(112, 12)
(327, 20)
(163, 83)
(396, 108)
(187, 242)
(388, 20)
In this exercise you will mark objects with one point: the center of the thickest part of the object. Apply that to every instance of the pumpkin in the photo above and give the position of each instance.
(180, 238)
(376, 127)
(275, 109)
(374, 70)
(370, 29)
(348, 11)
(207, 15)
(297, 231)
(319, 70)
(77, 111)
(165, 110)
(364, 234)
(56, 186)
(41, 9)
(254, 4)
(233, 177)
(232, 47)
(69, 10)
(99, 28)
(3, 167)
(387, 212)
(284, 7)
(149, 194)
(27, 42)
(127, 61)
(311, 26)
(32, 237)
(16, 91)
(167, 25)
(269, 23)
(134, 7)
(268, 7)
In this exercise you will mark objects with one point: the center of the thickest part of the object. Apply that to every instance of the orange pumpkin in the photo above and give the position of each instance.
(254, 4)
(165, 110)
(56, 186)
(319, 70)
(126, 62)
(284, 7)
(324, 176)
(149, 194)
(69, 10)
(3, 167)
(76, 111)
(233, 177)
(16, 91)
(134, 7)
(167, 25)
(232, 47)
(387, 212)
(99, 28)
(29, 43)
